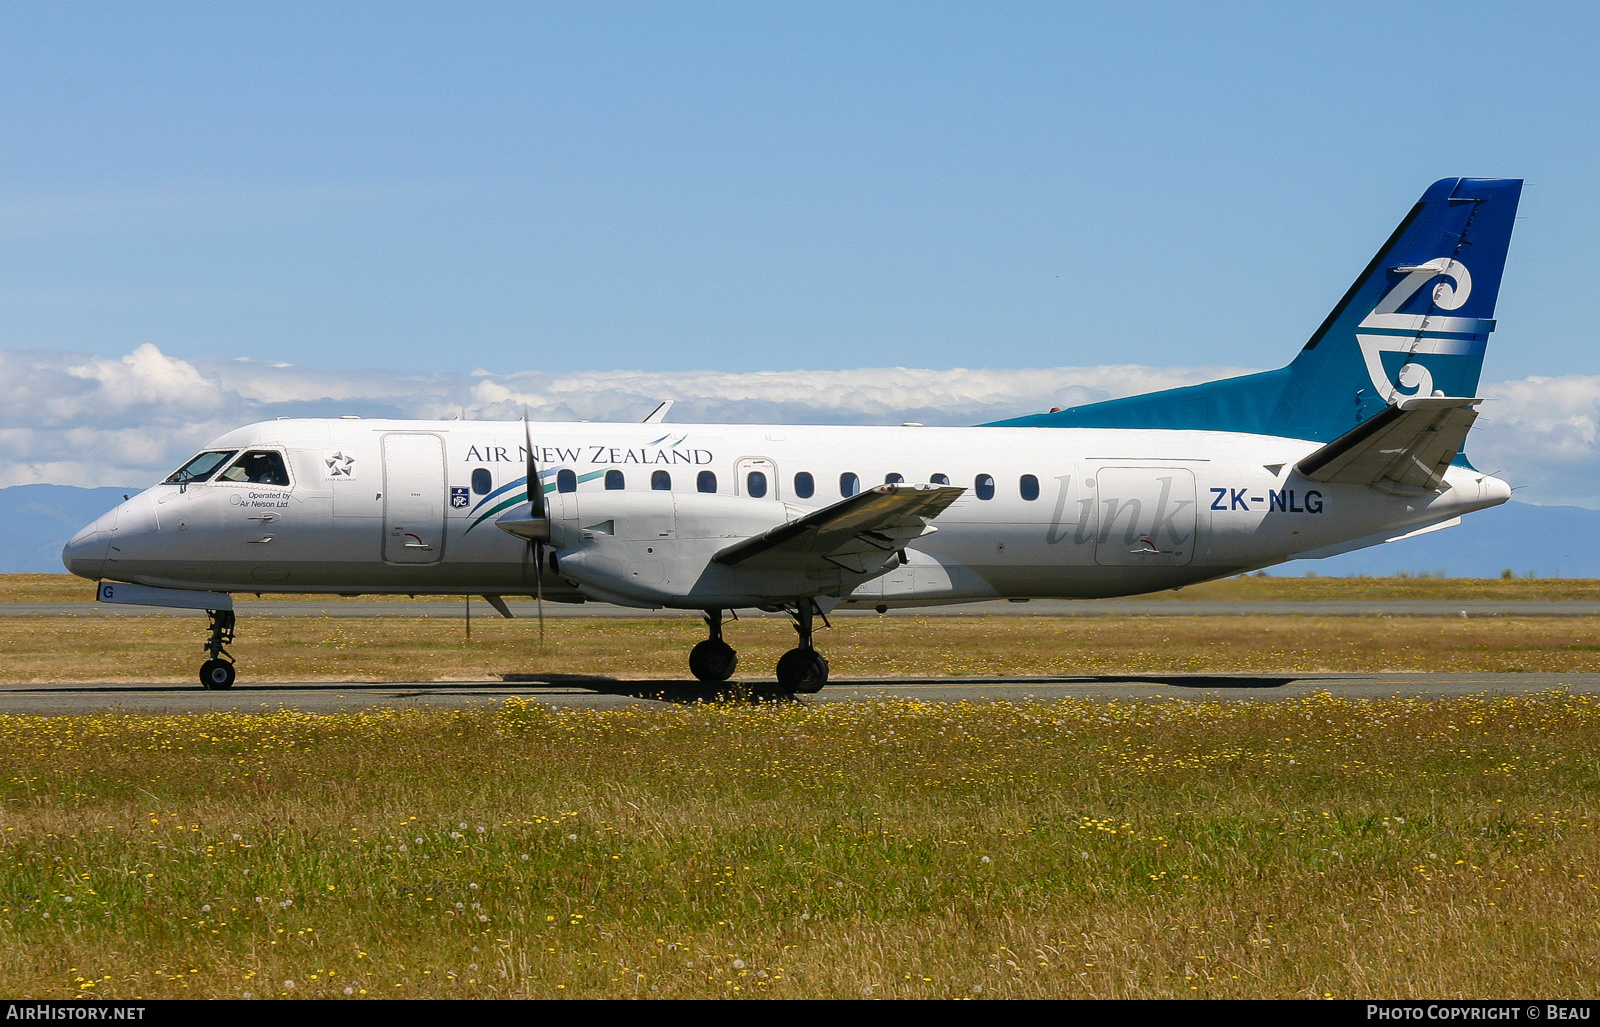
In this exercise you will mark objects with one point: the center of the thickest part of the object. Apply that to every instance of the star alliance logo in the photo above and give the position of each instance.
(339, 465)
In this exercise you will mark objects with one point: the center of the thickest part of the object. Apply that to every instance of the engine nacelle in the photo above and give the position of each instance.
(654, 548)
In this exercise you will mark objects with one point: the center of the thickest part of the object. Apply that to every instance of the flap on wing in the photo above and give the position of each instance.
(879, 520)
(1406, 448)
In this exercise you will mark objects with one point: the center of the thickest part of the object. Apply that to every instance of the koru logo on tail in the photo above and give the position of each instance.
(1430, 333)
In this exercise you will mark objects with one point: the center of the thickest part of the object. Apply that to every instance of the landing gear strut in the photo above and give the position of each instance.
(803, 669)
(713, 659)
(217, 673)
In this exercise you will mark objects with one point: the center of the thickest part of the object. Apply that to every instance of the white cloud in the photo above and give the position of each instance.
(75, 419)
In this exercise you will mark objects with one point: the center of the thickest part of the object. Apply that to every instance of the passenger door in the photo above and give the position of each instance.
(413, 498)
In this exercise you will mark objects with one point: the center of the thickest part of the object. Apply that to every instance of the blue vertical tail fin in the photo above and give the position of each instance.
(1414, 323)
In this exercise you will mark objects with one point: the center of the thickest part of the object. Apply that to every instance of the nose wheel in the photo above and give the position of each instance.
(803, 669)
(217, 673)
(713, 660)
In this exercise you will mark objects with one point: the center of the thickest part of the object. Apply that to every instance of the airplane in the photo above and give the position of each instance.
(1356, 442)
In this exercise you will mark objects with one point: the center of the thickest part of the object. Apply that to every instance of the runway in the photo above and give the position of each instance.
(1036, 608)
(604, 693)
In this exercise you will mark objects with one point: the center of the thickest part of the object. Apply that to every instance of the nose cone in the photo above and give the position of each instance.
(85, 554)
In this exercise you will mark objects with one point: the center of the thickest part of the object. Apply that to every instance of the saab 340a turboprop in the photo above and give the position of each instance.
(1358, 441)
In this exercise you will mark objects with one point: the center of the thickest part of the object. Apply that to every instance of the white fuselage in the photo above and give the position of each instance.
(409, 507)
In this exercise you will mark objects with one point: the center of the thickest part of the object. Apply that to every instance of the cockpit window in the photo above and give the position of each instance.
(258, 467)
(200, 468)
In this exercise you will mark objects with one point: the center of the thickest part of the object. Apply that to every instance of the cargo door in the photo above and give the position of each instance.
(413, 498)
(1145, 515)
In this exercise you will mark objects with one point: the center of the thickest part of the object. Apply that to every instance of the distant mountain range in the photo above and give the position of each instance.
(1541, 541)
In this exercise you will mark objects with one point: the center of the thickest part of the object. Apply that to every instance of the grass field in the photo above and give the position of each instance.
(74, 649)
(63, 588)
(889, 849)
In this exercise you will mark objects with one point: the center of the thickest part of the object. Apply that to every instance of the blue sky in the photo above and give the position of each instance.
(745, 187)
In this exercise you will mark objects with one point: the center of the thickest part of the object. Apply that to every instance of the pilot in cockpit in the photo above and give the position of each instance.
(258, 468)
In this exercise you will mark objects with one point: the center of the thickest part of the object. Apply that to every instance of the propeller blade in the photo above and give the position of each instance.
(538, 586)
(535, 486)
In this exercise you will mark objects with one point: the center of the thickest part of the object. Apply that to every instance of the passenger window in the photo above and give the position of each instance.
(1029, 487)
(258, 467)
(893, 479)
(566, 480)
(200, 468)
(849, 484)
(661, 481)
(706, 481)
(805, 486)
(614, 481)
(940, 479)
(983, 485)
(482, 481)
(755, 484)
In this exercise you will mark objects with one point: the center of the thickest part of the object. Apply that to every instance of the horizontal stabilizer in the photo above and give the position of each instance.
(1404, 449)
(857, 534)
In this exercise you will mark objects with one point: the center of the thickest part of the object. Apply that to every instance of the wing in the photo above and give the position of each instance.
(1404, 449)
(858, 534)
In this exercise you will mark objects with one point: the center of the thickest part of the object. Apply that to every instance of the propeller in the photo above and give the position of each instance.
(536, 506)
(533, 526)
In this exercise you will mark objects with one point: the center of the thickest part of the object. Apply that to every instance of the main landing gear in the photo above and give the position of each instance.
(217, 673)
(803, 669)
(713, 659)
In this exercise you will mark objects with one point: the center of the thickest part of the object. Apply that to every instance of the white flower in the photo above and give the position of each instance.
(985, 859)
(738, 964)
(349, 990)
(288, 984)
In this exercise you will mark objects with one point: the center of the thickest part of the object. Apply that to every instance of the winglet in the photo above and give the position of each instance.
(659, 414)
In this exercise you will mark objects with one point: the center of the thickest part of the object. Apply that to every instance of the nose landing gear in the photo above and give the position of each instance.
(217, 673)
(803, 669)
(713, 660)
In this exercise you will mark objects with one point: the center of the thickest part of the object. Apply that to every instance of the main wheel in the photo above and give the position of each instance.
(802, 670)
(216, 675)
(713, 660)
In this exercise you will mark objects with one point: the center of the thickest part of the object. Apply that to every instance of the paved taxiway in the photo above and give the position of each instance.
(1036, 608)
(601, 693)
